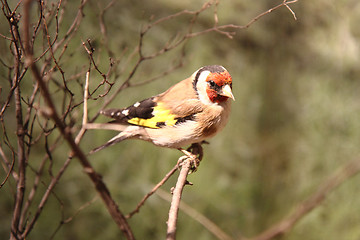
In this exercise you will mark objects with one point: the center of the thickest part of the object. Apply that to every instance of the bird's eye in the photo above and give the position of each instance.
(212, 83)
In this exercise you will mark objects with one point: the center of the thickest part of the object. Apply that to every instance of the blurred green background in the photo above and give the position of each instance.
(295, 121)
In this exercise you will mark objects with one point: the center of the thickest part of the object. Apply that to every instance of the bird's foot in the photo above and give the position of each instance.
(194, 154)
(194, 161)
(197, 150)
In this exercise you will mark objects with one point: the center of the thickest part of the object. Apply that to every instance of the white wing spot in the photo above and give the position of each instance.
(118, 113)
(125, 112)
(136, 104)
(112, 114)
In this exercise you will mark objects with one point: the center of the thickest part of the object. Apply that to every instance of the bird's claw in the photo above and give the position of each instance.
(194, 154)
(194, 162)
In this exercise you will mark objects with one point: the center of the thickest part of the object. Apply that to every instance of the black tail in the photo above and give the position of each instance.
(109, 143)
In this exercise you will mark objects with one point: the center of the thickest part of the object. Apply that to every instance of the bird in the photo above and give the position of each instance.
(189, 112)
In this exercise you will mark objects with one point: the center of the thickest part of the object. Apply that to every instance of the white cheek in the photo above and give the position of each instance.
(202, 86)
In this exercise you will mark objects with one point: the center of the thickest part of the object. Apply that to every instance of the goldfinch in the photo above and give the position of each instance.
(189, 112)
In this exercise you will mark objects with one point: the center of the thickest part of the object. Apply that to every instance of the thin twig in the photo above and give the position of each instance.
(286, 3)
(21, 131)
(334, 181)
(85, 107)
(222, 29)
(197, 216)
(9, 170)
(45, 197)
(251, 22)
(175, 202)
(161, 76)
(36, 182)
(66, 133)
(157, 186)
(69, 219)
(103, 27)
(53, 56)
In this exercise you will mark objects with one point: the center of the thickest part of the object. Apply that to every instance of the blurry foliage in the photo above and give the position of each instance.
(296, 119)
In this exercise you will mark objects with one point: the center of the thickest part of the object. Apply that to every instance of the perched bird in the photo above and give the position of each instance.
(189, 112)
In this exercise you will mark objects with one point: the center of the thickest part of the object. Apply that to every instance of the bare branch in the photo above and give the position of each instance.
(339, 177)
(175, 202)
(157, 186)
(69, 219)
(19, 198)
(9, 170)
(37, 180)
(42, 46)
(85, 113)
(197, 216)
(222, 29)
(45, 197)
(286, 3)
(53, 56)
(251, 22)
(103, 26)
(95, 177)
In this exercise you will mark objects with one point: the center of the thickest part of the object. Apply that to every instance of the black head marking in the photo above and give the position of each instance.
(210, 68)
(214, 86)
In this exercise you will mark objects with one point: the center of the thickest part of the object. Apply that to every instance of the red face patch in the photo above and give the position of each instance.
(217, 81)
(220, 79)
(214, 96)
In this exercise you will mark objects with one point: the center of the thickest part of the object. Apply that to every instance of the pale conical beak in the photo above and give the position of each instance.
(226, 91)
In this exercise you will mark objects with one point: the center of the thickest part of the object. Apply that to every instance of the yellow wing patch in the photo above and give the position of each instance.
(161, 116)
